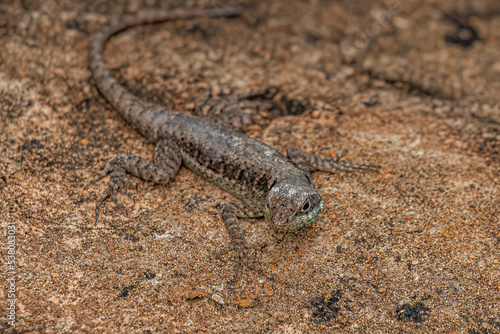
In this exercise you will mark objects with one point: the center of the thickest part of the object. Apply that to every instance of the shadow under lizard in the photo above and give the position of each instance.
(267, 183)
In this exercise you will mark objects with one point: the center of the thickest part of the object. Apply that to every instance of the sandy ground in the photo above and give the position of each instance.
(413, 86)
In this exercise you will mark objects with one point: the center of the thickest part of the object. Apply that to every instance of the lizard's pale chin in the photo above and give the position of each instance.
(268, 217)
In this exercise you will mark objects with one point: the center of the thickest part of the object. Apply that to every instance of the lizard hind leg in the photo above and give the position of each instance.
(167, 162)
(223, 111)
(307, 160)
(234, 111)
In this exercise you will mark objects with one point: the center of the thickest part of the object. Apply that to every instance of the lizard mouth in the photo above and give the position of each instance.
(296, 225)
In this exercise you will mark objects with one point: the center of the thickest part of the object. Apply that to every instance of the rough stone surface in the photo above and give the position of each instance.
(410, 85)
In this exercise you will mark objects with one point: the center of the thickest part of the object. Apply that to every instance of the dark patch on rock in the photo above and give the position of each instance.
(149, 274)
(371, 103)
(294, 107)
(125, 292)
(414, 312)
(74, 24)
(326, 309)
(465, 34)
(131, 237)
(30, 144)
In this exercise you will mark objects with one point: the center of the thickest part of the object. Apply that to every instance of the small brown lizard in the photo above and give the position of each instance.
(267, 183)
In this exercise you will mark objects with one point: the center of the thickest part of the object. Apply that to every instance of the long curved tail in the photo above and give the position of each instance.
(138, 113)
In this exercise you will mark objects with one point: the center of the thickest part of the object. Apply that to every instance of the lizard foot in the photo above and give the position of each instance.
(241, 257)
(118, 179)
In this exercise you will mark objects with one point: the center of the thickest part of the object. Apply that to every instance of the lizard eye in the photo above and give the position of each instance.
(306, 206)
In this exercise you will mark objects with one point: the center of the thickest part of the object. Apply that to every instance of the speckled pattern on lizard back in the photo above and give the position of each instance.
(267, 183)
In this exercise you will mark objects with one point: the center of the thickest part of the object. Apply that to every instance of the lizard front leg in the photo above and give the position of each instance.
(248, 208)
(307, 161)
(168, 161)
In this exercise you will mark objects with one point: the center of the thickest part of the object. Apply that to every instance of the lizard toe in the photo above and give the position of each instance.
(130, 182)
(97, 178)
(129, 195)
(117, 187)
(105, 195)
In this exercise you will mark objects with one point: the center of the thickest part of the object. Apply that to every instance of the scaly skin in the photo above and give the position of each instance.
(267, 183)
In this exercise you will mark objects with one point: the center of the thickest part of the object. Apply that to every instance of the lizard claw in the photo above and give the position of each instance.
(97, 178)
(117, 187)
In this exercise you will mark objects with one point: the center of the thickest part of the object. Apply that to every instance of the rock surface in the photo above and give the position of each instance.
(412, 86)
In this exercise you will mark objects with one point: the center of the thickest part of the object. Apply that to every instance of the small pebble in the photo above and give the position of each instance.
(218, 299)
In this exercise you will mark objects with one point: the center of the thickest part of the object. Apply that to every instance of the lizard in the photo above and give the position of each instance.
(265, 182)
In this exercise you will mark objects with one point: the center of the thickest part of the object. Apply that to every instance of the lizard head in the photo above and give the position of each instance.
(290, 206)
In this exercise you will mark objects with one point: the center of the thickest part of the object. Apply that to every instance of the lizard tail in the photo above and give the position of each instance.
(138, 113)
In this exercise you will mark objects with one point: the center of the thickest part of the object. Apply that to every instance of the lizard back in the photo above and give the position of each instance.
(241, 165)
(237, 163)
